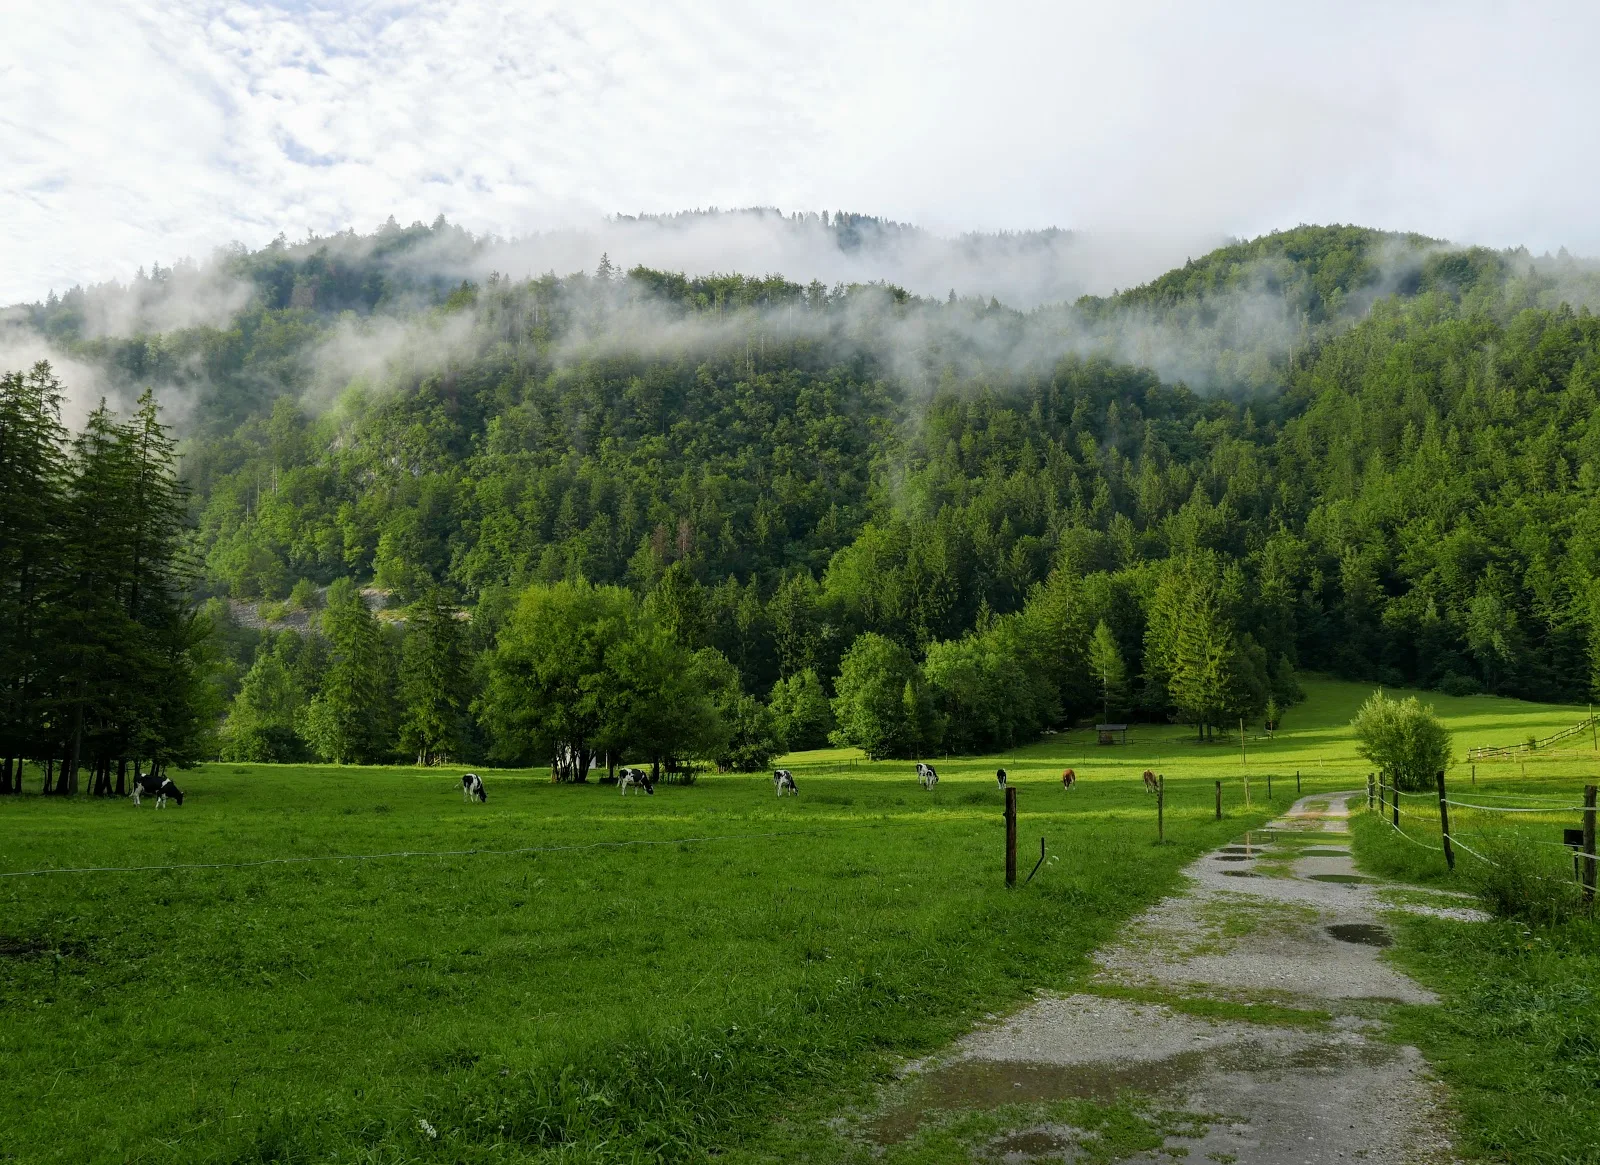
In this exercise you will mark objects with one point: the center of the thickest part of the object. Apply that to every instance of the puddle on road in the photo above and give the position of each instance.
(1240, 874)
(972, 1085)
(1346, 878)
(1034, 1143)
(988, 1084)
(1233, 857)
(1368, 934)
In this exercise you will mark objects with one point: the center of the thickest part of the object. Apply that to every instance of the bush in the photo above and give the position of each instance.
(305, 596)
(1456, 684)
(1523, 884)
(1403, 738)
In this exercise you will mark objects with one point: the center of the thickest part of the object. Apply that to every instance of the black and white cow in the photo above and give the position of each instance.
(783, 779)
(635, 779)
(927, 776)
(472, 788)
(1000, 778)
(151, 785)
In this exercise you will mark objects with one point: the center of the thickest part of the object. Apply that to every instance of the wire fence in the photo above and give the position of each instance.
(1390, 802)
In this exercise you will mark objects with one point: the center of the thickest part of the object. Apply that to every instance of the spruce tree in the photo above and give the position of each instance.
(349, 721)
(433, 687)
(32, 491)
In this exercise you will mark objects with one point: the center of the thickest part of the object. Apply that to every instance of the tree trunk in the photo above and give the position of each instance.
(5, 776)
(49, 775)
(122, 776)
(67, 782)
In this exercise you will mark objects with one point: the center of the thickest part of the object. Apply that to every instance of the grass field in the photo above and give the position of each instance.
(709, 970)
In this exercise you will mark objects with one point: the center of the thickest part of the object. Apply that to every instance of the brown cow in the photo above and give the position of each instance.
(1068, 779)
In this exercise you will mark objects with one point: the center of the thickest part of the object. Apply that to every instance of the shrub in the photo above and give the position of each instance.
(1403, 738)
(1456, 684)
(1523, 884)
(305, 596)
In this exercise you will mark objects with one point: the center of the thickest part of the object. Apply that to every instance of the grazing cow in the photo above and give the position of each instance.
(472, 788)
(1151, 784)
(1000, 778)
(927, 776)
(1068, 778)
(783, 779)
(635, 779)
(151, 785)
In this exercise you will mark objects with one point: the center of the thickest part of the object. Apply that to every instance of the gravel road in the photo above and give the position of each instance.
(1280, 919)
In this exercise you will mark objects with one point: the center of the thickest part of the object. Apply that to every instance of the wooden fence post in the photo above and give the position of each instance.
(1161, 807)
(1383, 806)
(1219, 800)
(1269, 786)
(1011, 835)
(1588, 843)
(1394, 798)
(1247, 790)
(1444, 825)
(1297, 782)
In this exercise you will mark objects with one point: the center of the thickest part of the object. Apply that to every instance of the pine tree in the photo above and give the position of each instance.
(1105, 661)
(349, 720)
(434, 685)
(32, 497)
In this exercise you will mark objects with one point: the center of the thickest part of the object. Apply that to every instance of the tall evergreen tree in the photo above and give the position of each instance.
(1105, 662)
(433, 686)
(350, 720)
(32, 520)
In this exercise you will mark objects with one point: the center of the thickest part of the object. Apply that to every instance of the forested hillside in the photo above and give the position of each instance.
(920, 524)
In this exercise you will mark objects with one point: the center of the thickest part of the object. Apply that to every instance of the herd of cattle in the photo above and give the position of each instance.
(162, 788)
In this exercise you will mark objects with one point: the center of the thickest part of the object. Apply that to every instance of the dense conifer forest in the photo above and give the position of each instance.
(434, 515)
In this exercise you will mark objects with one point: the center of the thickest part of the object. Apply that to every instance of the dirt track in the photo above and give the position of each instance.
(1281, 919)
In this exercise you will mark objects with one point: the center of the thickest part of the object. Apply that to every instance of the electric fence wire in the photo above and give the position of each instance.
(1489, 795)
(1438, 849)
(1512, 809)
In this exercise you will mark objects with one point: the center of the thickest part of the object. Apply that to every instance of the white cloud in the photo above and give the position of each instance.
(137, 131)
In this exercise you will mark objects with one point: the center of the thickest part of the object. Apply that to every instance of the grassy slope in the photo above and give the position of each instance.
(648, 1000)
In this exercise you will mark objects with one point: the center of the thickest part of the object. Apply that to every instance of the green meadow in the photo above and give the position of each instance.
(568, 974)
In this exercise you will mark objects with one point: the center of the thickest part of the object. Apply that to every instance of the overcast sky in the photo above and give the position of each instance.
(135, 132)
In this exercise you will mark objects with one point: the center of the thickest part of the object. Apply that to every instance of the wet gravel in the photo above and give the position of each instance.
(1302, 930)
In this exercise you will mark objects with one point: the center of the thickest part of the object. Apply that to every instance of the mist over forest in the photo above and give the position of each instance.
(912, 493)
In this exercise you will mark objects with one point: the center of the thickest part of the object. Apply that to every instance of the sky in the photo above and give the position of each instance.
(136, 132)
